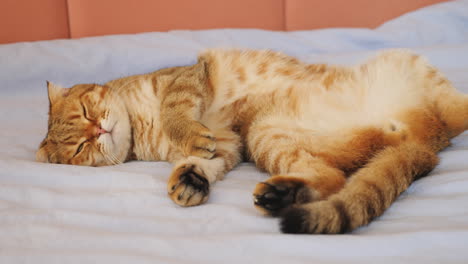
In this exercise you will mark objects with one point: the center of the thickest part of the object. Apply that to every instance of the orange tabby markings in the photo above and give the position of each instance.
(341, 143)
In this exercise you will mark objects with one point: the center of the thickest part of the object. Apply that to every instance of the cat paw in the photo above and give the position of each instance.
(200, 142)
(187, 186)
(322, 217)
(280, 192)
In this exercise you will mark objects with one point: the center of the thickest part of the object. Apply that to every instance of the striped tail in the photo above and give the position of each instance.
(368, 193)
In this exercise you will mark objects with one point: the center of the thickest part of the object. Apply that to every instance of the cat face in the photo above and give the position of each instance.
(88, 125)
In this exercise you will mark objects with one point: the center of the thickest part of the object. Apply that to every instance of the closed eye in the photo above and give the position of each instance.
(80, 148)
(85, 113)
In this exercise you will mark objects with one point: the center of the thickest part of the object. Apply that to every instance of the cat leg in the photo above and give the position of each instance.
(308, 167)
(183, 104)
(191, 178)
(206, 154)
(368, 193)
(299, 176)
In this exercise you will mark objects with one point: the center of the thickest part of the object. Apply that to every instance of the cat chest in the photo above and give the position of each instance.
(147, 135)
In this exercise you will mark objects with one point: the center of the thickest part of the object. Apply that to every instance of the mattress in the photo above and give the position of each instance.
(51, 213)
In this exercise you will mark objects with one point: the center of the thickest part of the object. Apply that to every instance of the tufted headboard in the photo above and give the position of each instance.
(28, 20)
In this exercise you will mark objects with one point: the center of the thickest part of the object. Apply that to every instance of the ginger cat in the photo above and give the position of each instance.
(341, 143)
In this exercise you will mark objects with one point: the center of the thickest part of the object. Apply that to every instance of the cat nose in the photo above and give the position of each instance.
(100, 131)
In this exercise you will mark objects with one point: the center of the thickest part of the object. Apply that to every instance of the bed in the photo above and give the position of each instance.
(52, 213)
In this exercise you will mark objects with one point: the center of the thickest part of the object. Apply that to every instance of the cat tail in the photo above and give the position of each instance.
(367, 194)
(454, 109)
(451, 103)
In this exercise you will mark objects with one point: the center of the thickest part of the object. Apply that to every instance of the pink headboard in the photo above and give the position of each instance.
(27, 20)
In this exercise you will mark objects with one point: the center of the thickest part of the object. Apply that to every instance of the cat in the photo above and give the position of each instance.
(341, 143)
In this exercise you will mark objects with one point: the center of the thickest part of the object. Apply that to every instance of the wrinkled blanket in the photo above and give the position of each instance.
(53, 213)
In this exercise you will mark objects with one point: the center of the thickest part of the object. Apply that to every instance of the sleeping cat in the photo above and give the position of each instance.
(341, 143)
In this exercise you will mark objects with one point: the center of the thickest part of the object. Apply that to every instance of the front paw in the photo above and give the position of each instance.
(187, 186)
(200, 141)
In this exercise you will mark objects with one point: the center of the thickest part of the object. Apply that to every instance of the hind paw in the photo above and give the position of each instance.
(322, 217)
(279, 192)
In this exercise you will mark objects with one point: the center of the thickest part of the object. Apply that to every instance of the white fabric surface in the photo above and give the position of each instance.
(121, 214)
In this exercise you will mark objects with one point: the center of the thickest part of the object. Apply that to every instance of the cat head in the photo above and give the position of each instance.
(88, 125)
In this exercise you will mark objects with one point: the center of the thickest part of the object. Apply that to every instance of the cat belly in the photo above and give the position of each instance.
(378, 104)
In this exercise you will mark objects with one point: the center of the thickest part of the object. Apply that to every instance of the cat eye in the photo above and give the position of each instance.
(85, 113)
(80, 148)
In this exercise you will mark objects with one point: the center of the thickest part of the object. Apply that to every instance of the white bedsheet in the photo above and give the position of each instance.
(121, 214)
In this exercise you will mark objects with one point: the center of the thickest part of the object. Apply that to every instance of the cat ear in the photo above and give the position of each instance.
(41, 154)
(56, 92)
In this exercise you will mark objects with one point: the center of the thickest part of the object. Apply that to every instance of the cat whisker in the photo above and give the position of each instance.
(106, 155)
(101, 149)
(110, 156)
(118, 160)
(111, 159)
(115, 159)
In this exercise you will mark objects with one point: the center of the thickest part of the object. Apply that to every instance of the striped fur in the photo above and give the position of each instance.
(340, 143)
